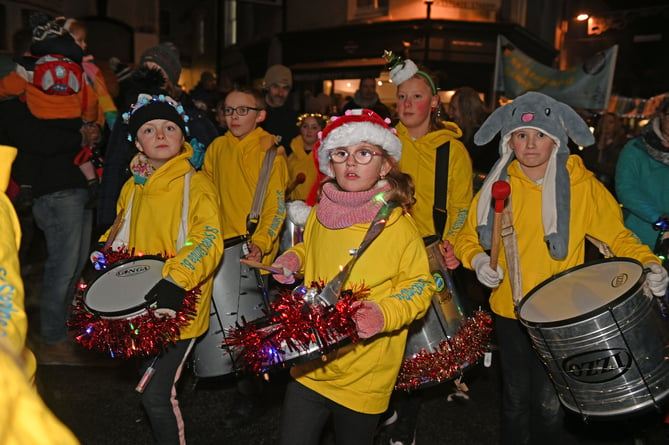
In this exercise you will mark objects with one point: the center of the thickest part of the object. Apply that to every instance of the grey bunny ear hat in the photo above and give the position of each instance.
(558, 121)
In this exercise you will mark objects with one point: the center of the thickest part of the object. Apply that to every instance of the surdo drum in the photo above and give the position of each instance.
(238, 292)
(601, 336)
(447, 312)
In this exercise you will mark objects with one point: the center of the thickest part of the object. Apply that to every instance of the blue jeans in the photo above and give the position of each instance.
(67, 227)
(531, 410)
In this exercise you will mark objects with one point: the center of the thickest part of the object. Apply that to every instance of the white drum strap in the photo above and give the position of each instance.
(510, 241)
(122, 238)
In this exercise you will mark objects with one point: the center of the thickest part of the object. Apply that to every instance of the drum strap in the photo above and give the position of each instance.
(254, 216)
(330, 293)
(510, 241)
(439, 213)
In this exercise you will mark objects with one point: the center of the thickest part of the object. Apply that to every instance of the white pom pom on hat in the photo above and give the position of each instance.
(356, 126)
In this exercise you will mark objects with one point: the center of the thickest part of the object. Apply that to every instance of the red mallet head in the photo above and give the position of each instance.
(500, 191)
(300, 178)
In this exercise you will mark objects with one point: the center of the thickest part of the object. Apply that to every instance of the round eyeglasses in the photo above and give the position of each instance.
(241, 111)
(362, 156)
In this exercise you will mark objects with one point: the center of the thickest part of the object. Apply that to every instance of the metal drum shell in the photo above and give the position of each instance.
(609, 361)
(447, 311)
(237, 292)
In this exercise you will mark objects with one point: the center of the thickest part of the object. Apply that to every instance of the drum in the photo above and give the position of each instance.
(601, 336)
(447, 311)
(238, 293)
(281, 354)
(292, 234)
(119, 291)
(112, 315)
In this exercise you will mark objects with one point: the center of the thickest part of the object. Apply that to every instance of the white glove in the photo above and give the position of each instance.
(657, 279)
(484, 272)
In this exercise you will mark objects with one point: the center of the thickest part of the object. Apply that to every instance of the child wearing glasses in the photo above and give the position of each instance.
(234, 162)
(359, 152)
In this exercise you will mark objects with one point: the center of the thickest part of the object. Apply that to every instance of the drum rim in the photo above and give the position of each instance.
(130, 311)
(587, 315)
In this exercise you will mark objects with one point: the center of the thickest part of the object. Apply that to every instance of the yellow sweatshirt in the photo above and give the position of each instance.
(154, 226)
(234, 166)
(361, 376)
(419, 160)
(299, 161)
(594, 212)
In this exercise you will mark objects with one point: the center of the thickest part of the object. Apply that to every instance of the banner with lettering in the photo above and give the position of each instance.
(587, 85)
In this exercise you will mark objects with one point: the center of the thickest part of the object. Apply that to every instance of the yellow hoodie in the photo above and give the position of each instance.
(594, 212)
(24, 418)
(419, 160)
(154, 225)
(233, 166)
(361, 376)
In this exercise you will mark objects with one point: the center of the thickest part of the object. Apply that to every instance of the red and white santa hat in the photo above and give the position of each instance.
(354, 127)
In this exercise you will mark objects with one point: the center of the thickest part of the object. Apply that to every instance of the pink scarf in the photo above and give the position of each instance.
(338, 209)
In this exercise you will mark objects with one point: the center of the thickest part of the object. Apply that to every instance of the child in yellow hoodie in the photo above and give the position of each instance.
(159, 217)
(359, 151)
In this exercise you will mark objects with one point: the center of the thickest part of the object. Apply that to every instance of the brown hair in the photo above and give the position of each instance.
(471, 109)
(258, 96)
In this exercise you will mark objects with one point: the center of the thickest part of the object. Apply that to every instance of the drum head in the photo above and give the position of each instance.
(581, 291)
(120, 290)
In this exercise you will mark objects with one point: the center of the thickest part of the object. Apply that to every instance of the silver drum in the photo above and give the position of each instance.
(238, 291)
(601, 336)
(446, 314)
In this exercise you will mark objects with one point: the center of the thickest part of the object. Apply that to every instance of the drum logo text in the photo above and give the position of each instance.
(619, 280)
(131, 271)
(597, 366)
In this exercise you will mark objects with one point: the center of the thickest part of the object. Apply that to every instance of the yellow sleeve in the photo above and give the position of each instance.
(460, 190)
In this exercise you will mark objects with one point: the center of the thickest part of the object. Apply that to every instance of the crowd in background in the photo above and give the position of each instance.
(73, 160)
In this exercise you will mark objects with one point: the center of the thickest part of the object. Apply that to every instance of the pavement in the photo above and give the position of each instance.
(99, 404)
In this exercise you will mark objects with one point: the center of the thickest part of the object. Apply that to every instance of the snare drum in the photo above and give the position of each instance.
(446, 313)
(119, 291)
(601, 336)
(283, 353)
(113, 316)
(238, 293)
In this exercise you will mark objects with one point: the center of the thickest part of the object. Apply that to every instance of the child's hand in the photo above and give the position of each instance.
(254, 253)
(484, 272)
(368, 318)
(657, 279)
(167, 297)
(449, 256)
(289, 262)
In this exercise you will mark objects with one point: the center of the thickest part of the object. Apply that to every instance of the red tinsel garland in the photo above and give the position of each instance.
(296, 329)
(141, 335)
(451, 356)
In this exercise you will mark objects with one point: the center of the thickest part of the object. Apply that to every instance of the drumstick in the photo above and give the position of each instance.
(299, 179)
(500, 191)
(259, 265)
